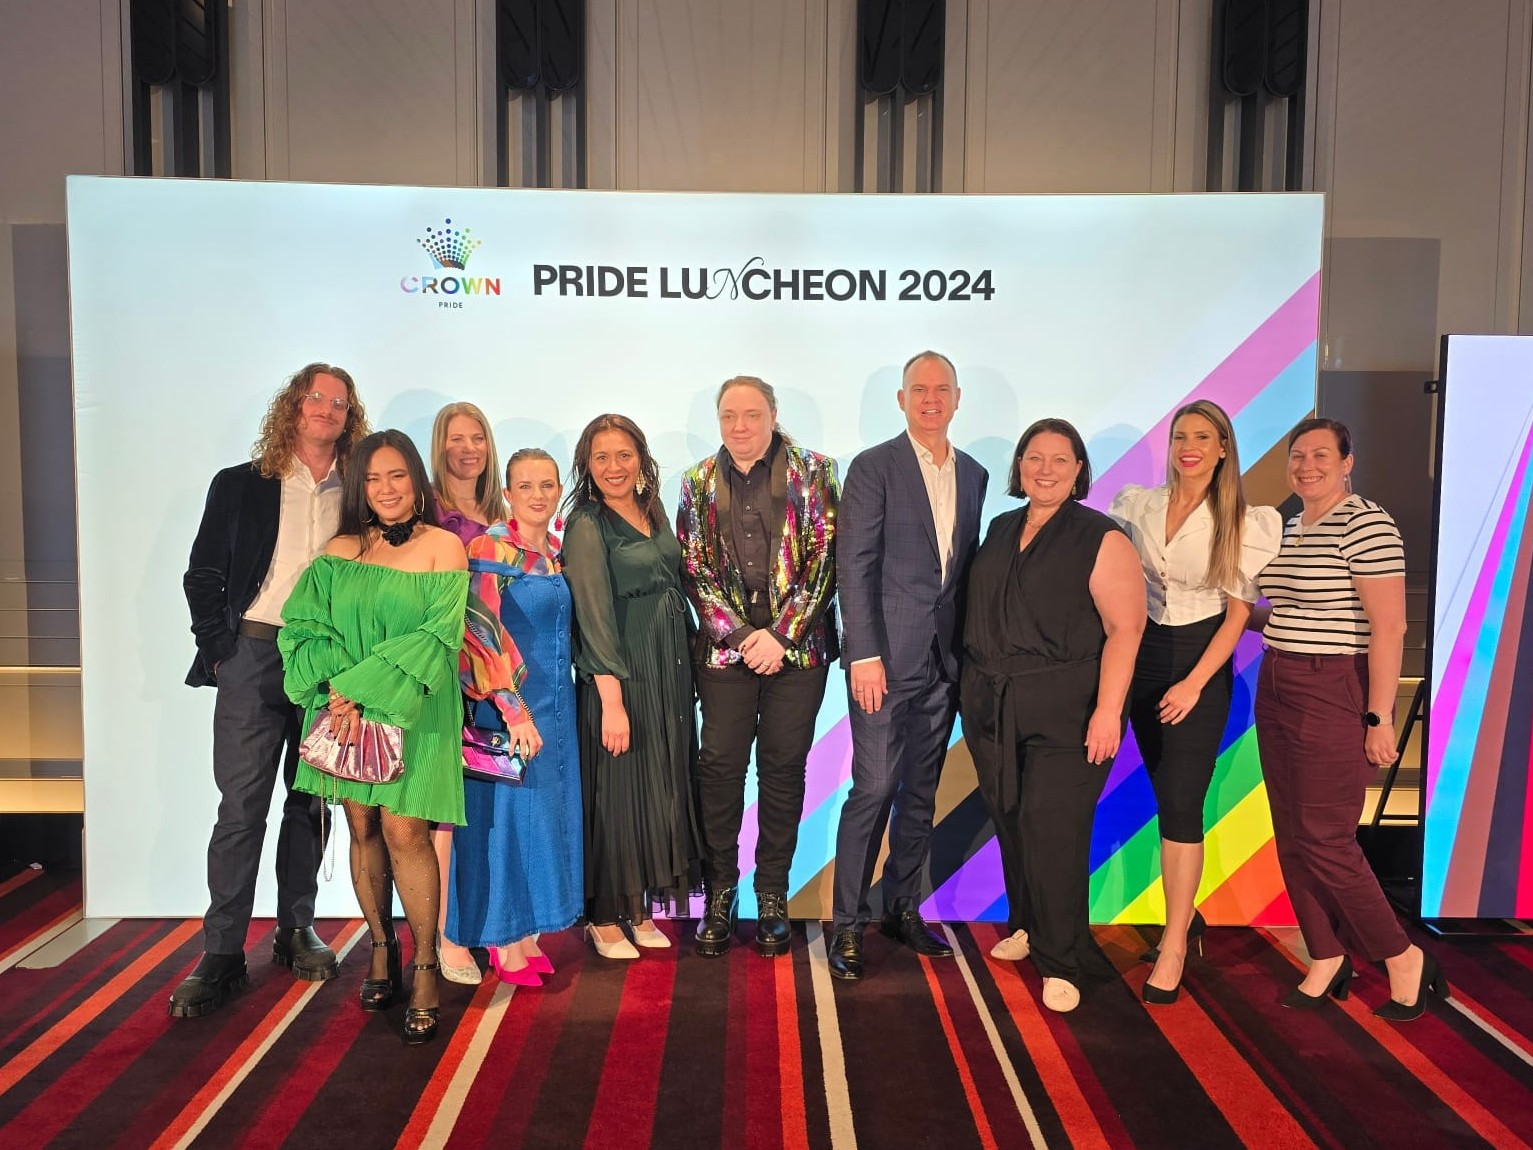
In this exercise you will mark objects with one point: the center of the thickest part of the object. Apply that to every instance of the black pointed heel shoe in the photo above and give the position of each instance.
(1432, 982)
(1156, 996)
(378, 993)
(421, 1021)
(1339, 987)
(1195, 931)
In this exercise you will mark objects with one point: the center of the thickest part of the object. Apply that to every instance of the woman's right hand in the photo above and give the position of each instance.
(525, 740)
(345, 719)
(614, 728)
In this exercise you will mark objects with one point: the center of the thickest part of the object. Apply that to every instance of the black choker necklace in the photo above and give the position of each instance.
(398, 534)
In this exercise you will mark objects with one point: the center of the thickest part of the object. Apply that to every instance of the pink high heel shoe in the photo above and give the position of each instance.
(521, 976)
(539, 962)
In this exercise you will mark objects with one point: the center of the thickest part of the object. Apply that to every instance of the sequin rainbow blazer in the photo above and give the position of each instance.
(802, 584)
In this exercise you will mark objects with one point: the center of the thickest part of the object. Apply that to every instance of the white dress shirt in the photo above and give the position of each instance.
(942, 494)
(307, 517)
(1176, 570)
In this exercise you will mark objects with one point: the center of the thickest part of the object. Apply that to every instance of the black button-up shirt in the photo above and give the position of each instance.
(750, 503)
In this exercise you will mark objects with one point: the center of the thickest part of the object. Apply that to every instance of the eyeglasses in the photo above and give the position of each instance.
(318, 397)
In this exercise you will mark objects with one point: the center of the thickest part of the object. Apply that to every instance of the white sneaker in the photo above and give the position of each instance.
(1060, 995)
(1013, 948)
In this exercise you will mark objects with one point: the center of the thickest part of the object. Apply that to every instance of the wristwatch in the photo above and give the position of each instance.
(1374, 719)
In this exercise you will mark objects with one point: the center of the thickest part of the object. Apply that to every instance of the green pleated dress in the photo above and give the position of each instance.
(388, 640)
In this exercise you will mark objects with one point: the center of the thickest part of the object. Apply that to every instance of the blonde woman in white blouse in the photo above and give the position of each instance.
(1201, 548)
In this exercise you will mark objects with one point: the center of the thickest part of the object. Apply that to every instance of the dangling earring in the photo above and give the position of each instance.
(640, 486)
(558, 523)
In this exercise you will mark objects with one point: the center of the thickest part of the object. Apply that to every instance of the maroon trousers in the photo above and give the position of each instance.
(1309, 730)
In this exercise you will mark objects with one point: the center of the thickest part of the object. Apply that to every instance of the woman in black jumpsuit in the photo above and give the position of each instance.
(1056, 606)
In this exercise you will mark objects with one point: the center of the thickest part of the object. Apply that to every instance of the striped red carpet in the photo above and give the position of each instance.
(677, 1051)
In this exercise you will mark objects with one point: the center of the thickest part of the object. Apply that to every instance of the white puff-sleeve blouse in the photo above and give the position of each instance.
(1176, 570)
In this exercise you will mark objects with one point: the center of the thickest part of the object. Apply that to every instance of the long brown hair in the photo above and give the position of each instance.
(272, 452)
(357, 515)
(488, 499)
(1226, 496)
(583, 489)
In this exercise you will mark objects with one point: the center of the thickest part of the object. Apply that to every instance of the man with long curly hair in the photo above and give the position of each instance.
(263, 523)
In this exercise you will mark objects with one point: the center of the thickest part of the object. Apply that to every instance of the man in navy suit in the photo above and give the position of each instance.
(907, 531)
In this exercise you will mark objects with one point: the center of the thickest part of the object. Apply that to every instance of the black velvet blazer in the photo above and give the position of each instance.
(230, 556)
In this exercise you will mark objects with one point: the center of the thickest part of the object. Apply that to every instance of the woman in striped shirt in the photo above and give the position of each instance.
(1335, 629)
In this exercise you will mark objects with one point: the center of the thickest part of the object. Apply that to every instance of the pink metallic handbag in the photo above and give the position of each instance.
(377, 755)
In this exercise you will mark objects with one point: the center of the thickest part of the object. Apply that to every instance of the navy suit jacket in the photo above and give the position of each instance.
(894, 600)
(230, 555)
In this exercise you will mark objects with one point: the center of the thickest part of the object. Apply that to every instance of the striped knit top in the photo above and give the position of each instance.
(1315, 606)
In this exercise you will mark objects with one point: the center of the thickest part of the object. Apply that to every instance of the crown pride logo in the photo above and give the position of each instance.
(449, 246)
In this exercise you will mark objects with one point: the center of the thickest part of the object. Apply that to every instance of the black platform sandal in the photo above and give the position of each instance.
(421, 1021)
(378, 993)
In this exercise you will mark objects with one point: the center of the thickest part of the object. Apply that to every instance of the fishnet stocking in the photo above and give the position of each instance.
(418, 880)
(371, 879)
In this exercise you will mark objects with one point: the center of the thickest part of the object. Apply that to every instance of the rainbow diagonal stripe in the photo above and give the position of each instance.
(1267, 384)
(1477, 851)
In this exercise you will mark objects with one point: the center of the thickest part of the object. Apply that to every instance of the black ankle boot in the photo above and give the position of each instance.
(717, 929)
(772, 931)
(216, 979)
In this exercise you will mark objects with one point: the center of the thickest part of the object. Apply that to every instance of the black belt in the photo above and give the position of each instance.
(254, 630)
(1005, 790)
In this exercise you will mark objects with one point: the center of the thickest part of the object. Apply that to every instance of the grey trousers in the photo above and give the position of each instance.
(256, 731)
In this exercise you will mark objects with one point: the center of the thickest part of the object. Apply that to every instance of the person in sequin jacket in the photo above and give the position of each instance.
(757, 525)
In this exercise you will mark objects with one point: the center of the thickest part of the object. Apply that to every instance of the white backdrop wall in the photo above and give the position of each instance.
(1106, 310)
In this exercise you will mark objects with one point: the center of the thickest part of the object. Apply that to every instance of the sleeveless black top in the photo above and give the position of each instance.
(1033, 608)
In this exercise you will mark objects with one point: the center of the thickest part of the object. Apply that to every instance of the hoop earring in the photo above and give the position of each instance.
(420, 498)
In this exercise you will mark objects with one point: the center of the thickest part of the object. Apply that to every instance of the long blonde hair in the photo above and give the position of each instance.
(1226, 496)
(491, 504)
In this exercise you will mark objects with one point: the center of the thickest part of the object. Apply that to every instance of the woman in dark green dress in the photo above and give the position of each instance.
(638, 739)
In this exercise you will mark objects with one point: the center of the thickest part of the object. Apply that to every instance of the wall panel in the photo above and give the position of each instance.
(1067, 96)
(729, 95)
(1420, 145)
(367, 90)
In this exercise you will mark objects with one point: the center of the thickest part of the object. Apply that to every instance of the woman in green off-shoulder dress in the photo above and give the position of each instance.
(372, 631)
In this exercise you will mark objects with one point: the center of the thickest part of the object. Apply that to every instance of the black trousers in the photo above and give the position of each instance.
(776, 713)
(1045, 839)
(1179, 757)
(256, 733)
